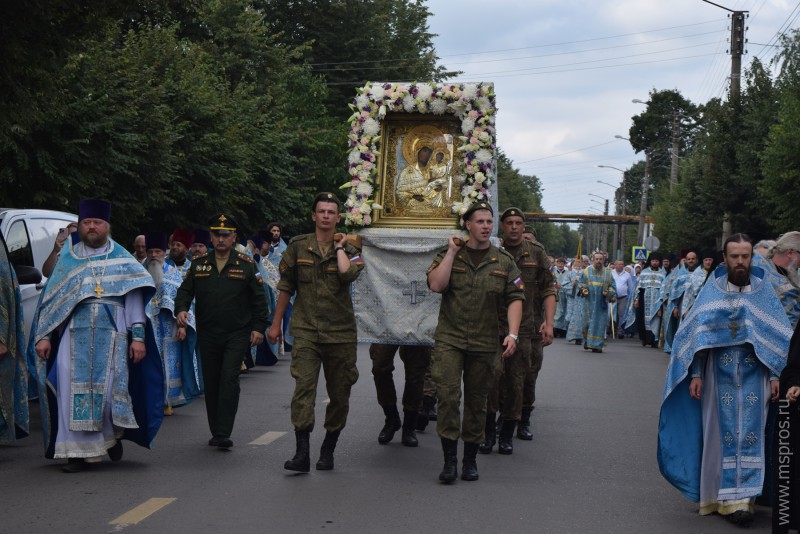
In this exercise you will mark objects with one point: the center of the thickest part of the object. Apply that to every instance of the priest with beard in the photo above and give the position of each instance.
(781, 265)
(646, 314)
(723, 372)
(176, 344)
(99, 372)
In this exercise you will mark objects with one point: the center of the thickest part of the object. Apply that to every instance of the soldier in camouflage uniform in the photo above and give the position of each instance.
(320, 270)
(476, 282)
(531, 258)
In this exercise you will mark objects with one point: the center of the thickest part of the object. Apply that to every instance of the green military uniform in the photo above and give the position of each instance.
(534, 265)
(229, 304)
(324, 327)
(466, 337)
(537, 352)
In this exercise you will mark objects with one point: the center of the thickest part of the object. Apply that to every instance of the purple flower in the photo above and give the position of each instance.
(470, 155)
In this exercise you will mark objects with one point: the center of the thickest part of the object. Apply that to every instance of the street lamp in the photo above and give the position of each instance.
(645, 190)
(608, 184)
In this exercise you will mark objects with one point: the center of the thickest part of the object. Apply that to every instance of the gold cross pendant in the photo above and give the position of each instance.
(734, 326)
(98, 290)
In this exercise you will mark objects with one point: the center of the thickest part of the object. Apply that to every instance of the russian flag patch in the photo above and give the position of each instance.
(518, 282)
(357, 260)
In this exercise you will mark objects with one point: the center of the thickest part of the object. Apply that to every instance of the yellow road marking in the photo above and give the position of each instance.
(267, 438)
(142, 512)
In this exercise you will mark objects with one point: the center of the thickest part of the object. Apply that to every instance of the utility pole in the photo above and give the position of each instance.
(676, 146)
(623, 229)
(645, 190)
(737, 50)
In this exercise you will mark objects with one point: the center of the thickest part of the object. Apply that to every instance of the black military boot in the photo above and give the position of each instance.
(469, 466)
(505, 443)
(301, 461)
(410, 420)
(524, 426)
(325, 462)
(489, 440)
(449, 472)
(432, 413)
(392, 425)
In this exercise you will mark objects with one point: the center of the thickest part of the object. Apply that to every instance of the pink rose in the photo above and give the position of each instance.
(473, 114)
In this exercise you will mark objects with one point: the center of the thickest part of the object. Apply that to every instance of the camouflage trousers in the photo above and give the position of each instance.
(451, 365)
(509, 379)
(416, 361)
(529, 389)
(338, 362)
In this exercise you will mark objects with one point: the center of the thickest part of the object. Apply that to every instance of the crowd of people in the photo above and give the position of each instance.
(120, 340)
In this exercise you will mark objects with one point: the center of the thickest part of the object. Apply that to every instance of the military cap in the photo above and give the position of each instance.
(529, 229)
(475, 207)
(511, 212)
(325, 197)
(222, 224)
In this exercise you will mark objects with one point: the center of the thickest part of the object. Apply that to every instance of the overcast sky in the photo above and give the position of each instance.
(565, 72)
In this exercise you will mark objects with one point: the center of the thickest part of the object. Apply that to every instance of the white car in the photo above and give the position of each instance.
(29, 237)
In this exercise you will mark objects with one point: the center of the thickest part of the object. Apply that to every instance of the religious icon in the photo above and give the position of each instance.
(418, 184)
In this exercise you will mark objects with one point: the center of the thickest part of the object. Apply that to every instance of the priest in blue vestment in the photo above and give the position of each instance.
(644, 310)
(575, 320)
(99, 372)
(14, 418)
(562, 281)
(723, 374)
(176, 344)
(596, 289)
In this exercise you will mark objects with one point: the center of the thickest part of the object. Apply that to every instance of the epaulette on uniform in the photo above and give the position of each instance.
(200, 257)
(301, 237)
(245, 257)
(506, 253)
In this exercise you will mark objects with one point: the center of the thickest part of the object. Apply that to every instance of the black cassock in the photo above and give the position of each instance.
(786, 448)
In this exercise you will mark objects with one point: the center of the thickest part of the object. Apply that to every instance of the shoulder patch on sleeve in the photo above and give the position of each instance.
(283, 266)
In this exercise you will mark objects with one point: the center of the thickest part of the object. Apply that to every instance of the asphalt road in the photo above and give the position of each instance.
(591, 467)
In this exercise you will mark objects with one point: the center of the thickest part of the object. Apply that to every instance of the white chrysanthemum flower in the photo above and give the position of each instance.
(350, 202)
(469, 92)
(408, 103)
(483, 156)
(378, 93)
(424, 91)
(354, 157)
(371, 127)
(364, 188)
(467, 125)
(482, 103)
(362, 101)
(439, 107)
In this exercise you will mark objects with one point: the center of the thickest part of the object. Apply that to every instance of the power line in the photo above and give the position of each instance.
(519, 58)
(367, 62)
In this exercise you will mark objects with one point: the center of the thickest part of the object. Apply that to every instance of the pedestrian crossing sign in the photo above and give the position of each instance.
(639, 253)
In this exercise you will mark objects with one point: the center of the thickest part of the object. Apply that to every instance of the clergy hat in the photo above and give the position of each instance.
(325, 197)
(222, 224)
(708, 253)
(183, 235)
(257, 240)
(512, 212)
(94, 208)
(202, 235)
(475, 207)
(155, 240)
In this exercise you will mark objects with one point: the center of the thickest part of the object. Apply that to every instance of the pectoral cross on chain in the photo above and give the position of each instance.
(98, 290)
(734, 326)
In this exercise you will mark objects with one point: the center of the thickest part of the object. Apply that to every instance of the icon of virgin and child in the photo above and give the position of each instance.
(425, 184)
